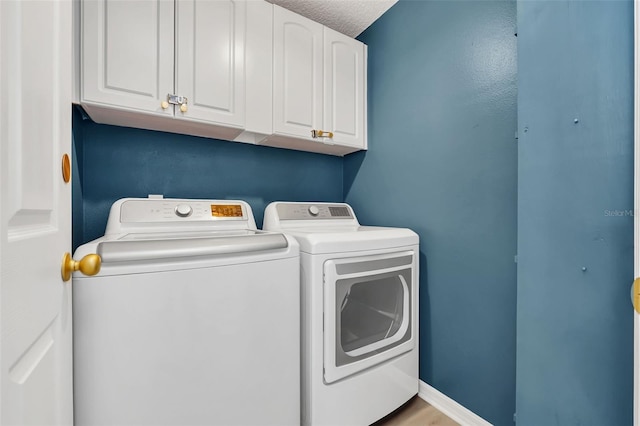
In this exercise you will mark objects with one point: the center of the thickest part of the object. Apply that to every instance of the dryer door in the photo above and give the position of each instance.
(368, 311)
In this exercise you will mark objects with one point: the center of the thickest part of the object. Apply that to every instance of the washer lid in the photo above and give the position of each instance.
(351, 238)
(152, 249)
(136, 236)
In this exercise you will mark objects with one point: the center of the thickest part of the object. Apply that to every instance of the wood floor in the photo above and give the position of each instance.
(416, 412)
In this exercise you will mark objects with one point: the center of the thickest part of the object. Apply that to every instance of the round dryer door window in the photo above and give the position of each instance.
(368, 311)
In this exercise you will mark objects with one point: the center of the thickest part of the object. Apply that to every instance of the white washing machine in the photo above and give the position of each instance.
(193, 319)
(359, 312)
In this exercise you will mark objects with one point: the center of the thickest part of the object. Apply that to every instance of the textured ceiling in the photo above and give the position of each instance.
(349, 17)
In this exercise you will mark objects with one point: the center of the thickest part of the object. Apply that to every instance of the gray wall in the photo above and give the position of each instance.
(575, 194)
(443, 161)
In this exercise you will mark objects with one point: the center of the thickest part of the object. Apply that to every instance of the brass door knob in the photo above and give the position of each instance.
(164, 104)
(183, 107)
(88, 265)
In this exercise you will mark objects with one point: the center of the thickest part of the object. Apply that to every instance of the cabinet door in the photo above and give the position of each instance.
(297, 74)
(344, 89)
(210, 60)
(127, 53)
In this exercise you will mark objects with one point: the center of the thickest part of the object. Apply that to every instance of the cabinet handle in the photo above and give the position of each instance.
(321, 134)
(175, 100)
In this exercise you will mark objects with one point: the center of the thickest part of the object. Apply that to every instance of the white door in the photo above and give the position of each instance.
(127, 53)
(35, 216)
(297, 74)
(210, 60)
(344, 88)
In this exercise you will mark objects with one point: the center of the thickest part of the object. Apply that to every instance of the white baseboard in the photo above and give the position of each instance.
(448, 406)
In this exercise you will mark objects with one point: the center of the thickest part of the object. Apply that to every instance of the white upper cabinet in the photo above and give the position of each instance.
(319, 82)
(243, 70)
(210, 59)
(297, 65)
(344, 89)
(127, 53)
(164, 58)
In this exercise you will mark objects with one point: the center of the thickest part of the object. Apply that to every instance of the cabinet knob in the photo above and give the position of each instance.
(164, 104)
(183, 107)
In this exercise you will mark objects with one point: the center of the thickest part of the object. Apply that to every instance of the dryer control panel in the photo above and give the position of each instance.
(284, 214)
(313, 211)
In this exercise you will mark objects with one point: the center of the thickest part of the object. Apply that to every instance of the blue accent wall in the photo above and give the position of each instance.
(443, 161)
(116, 162)
(575, 198)
(77, 216)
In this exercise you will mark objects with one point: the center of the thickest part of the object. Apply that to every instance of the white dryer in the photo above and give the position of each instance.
(359, 312)
(193, 319)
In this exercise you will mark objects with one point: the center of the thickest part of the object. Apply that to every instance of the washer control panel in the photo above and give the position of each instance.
(167, 210)
(313, 211)
(157, 214)
(183, 210)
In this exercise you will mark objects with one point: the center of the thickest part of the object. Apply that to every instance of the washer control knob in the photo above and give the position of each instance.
(314, 210)
(183, 210)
